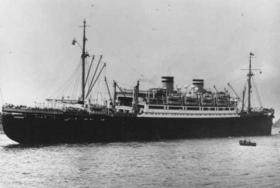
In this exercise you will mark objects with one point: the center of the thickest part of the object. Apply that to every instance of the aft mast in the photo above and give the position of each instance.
(250, 74)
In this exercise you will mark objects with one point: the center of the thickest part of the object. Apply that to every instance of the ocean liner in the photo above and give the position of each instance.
(137, 115)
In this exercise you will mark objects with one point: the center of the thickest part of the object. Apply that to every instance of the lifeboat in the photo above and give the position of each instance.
(207, 99)
(247, 143)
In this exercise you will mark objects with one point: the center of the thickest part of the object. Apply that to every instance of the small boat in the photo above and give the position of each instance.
(247, 143)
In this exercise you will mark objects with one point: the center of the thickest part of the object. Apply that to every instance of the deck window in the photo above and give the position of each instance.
(175, 108)
(193, 108)
(156, 107)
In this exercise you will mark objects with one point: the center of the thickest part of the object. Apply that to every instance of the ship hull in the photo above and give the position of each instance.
(99, 128)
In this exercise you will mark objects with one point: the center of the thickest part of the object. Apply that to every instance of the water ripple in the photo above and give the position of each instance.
(179, 163)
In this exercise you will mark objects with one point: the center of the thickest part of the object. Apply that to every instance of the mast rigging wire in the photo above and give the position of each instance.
(66, 83)
(97, 66)
(257, 93)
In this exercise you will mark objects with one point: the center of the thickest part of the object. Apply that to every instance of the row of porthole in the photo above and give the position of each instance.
(176, 114)
(196, 109)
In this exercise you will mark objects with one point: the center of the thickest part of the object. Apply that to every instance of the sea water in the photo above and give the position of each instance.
(220, 162)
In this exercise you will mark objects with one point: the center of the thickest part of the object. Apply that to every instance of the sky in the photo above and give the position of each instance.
(139, 39)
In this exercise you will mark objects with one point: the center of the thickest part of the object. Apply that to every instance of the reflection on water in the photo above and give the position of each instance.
(180, 163)
(22, 146)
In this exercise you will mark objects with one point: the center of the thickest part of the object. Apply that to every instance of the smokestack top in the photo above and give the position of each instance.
(168, 83)
(198, 83)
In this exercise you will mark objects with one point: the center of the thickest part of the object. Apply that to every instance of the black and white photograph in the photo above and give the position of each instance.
(139, 93)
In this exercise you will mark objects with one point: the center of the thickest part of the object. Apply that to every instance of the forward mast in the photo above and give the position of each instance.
(84, 56)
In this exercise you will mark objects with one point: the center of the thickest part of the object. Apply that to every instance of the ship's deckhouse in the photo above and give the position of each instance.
(164, 111)
(165, 102)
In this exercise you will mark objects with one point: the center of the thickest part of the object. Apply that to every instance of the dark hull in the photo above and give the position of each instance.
(63, 129)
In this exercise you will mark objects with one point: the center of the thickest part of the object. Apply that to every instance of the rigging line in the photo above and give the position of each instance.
(70, 79)
(89, 69)
(63, 89)
(97, 66)
(74, 88)
(67, 87)
(91, 86)
(257, 93)
(77, 86)
(78, 90)
(74, 76)
(58, 90)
